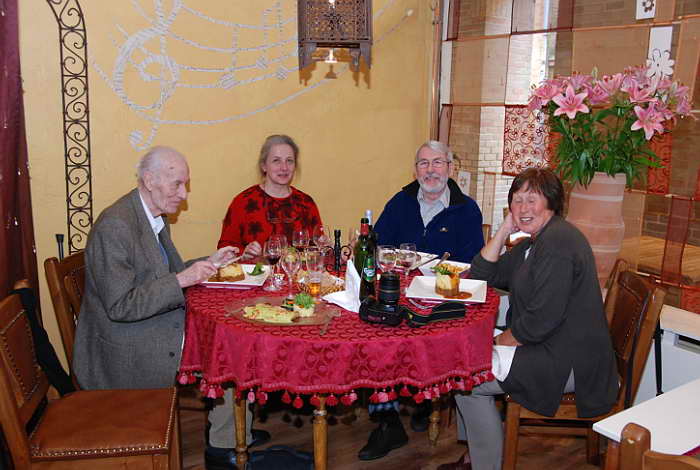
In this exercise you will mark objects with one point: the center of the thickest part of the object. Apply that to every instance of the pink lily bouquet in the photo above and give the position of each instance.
(606, 123)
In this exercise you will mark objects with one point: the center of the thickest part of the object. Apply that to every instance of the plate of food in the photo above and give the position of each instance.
(239, 276)
(454, 266)
(442, 287)
(278, 311)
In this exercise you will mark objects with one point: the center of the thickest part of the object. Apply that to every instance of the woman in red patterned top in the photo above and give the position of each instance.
(272, 207)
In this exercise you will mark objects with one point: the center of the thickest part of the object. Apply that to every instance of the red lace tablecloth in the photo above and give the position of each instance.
(352, 354)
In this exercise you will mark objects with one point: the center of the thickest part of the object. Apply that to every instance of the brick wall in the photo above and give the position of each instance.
(477, 133)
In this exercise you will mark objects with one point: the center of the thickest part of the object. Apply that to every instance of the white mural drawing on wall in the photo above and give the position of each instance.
(148, 74)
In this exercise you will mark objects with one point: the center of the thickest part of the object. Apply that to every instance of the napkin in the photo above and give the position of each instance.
(349, 298)
(501, 359)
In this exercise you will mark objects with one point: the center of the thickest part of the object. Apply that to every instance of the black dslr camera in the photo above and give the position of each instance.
(385, 309)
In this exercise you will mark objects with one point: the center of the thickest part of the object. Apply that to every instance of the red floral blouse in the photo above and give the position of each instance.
(254, 215)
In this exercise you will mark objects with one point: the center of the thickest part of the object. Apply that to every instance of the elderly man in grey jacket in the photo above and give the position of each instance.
(131, 325)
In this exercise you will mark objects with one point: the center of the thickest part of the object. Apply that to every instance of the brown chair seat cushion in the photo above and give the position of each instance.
(129, 422)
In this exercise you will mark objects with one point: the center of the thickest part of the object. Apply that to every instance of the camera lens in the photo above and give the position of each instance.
(389, 288)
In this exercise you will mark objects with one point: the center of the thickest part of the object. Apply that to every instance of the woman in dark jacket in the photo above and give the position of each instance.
(556, 321)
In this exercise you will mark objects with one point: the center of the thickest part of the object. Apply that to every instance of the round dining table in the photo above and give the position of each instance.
(325, 364)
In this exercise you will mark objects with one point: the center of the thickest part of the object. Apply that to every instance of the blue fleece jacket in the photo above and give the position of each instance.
(456, 229)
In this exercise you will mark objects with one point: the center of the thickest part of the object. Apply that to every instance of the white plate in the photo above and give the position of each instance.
(423, 287)
(248, 283)
(426, 269)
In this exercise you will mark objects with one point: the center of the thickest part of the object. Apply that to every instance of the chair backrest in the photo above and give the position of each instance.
(637, 307)
(676, 238)
(619, 267)
(66, 280)
(23, 385)
(635, 453)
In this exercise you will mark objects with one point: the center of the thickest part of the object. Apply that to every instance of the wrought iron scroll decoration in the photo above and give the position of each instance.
(76, 124)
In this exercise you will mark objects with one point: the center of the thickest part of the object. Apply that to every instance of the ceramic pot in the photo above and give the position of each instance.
(597, 212)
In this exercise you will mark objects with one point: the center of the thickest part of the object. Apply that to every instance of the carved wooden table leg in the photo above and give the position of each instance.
(434, 426)
(320, 435)
(240, 410)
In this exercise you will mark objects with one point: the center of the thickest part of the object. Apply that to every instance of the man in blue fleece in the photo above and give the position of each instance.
(433, 213)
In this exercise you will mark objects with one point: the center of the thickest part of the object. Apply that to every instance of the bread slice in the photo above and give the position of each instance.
(231, 273)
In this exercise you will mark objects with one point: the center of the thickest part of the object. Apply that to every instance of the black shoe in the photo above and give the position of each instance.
(420, 419)
(260, 437)
(389, 435)
(219, 458)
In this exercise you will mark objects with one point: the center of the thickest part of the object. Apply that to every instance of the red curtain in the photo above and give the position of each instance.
(17, 252)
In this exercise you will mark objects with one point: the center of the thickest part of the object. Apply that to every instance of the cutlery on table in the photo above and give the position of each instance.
(223, 265)
(329, 317)
(445, 255)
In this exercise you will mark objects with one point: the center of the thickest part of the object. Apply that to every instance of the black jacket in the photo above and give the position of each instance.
(556, 313)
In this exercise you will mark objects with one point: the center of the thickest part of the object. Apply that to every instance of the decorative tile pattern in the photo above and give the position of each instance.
(527, 141)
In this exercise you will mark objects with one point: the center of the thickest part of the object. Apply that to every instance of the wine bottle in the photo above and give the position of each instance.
(362, 248)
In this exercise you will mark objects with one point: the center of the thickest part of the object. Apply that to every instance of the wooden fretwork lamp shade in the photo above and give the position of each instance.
(344, 24)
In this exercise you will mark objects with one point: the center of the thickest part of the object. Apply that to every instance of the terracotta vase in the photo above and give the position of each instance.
(597, 212)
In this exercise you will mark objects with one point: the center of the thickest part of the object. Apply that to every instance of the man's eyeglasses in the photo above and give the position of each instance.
(424, 164)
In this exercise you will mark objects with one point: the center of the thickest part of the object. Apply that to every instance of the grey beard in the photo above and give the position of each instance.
(435, 189)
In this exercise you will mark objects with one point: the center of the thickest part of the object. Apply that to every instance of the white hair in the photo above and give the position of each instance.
(436, 146)
(152, 161)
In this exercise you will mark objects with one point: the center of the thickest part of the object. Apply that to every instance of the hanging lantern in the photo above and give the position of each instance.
(335, 24)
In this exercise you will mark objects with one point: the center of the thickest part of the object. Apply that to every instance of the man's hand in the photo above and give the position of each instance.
(223, 255)
(506, 339)
(196, 273)
(252, 250)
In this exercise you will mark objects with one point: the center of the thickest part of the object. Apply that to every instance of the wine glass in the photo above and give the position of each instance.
(281, 238)
(272, 251)
(300, 239)
(322, 236)
(291, 262)
(407, 257)
(386, 257)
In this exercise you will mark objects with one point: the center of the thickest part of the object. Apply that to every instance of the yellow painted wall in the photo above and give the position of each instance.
(357, 133)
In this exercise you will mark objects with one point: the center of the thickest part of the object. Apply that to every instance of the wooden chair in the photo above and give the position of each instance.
(636, 453)
(105, 429)
(66, 280)
(637, 307)
(619, 267)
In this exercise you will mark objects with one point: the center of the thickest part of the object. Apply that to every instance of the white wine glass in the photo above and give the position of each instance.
(406, 257)
(291, 262)
(386, 257)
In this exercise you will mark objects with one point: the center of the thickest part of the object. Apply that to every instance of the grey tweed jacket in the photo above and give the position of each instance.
(131, 322)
